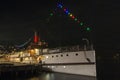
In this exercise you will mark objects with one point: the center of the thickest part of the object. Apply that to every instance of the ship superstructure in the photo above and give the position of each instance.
(72, 60)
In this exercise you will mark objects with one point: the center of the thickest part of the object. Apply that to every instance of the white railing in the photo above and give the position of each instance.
(69, 49)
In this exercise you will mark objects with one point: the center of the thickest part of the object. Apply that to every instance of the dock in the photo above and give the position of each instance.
(16, 69)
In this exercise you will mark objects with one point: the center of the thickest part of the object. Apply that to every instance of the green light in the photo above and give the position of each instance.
(75, 19)
(68, 13)
(81, 23)
(51, 14)
(88, 29)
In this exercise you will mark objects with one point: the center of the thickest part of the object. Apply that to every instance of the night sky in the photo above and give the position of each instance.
(19, 19)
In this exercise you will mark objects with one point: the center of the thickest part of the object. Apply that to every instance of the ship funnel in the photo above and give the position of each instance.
(36, 38)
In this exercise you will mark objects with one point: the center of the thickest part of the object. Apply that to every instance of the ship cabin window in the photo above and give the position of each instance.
(52, 56)
(56, 55)
(61, 55)
(76, 54)
(67, 55)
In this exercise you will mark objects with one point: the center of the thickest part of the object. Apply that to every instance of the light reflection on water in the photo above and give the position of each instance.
(59, 76)
(50, 76)
(44, 76)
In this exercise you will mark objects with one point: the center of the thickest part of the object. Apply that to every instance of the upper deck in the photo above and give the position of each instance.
(67, 49)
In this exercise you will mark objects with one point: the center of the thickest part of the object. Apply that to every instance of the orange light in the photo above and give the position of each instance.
(32, 51)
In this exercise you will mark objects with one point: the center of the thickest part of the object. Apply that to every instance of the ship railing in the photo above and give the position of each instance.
(70, 49)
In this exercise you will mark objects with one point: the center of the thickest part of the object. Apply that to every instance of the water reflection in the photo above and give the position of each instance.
(59, 76)
(48, 76)
(44, 76)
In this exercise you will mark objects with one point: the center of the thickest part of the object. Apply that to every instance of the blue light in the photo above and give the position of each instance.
(60, 5)
(66, 12)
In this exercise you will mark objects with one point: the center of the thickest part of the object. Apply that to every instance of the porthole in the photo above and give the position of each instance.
(56, 55)
(76, 54)
(67, 55)
(52, 56)
(61, 55)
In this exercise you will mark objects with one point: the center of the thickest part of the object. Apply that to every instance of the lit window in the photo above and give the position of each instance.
(46, 56)
(64, 66)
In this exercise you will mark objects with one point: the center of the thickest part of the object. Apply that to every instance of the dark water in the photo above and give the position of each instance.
(49, 76)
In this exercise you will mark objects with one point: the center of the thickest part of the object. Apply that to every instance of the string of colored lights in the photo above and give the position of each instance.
(67, 12)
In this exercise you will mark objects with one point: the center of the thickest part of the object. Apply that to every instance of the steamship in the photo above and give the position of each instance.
(78, 60)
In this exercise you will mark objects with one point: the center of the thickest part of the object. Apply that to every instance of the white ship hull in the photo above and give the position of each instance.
(87, 70)
(80, 62)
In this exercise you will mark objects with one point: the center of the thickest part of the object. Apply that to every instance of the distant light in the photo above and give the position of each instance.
(66, 12)
(70, 15)
(64, 9)
(51, 14)
(75, 19)
(88, 29)
(60, 5)
(81, 23)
